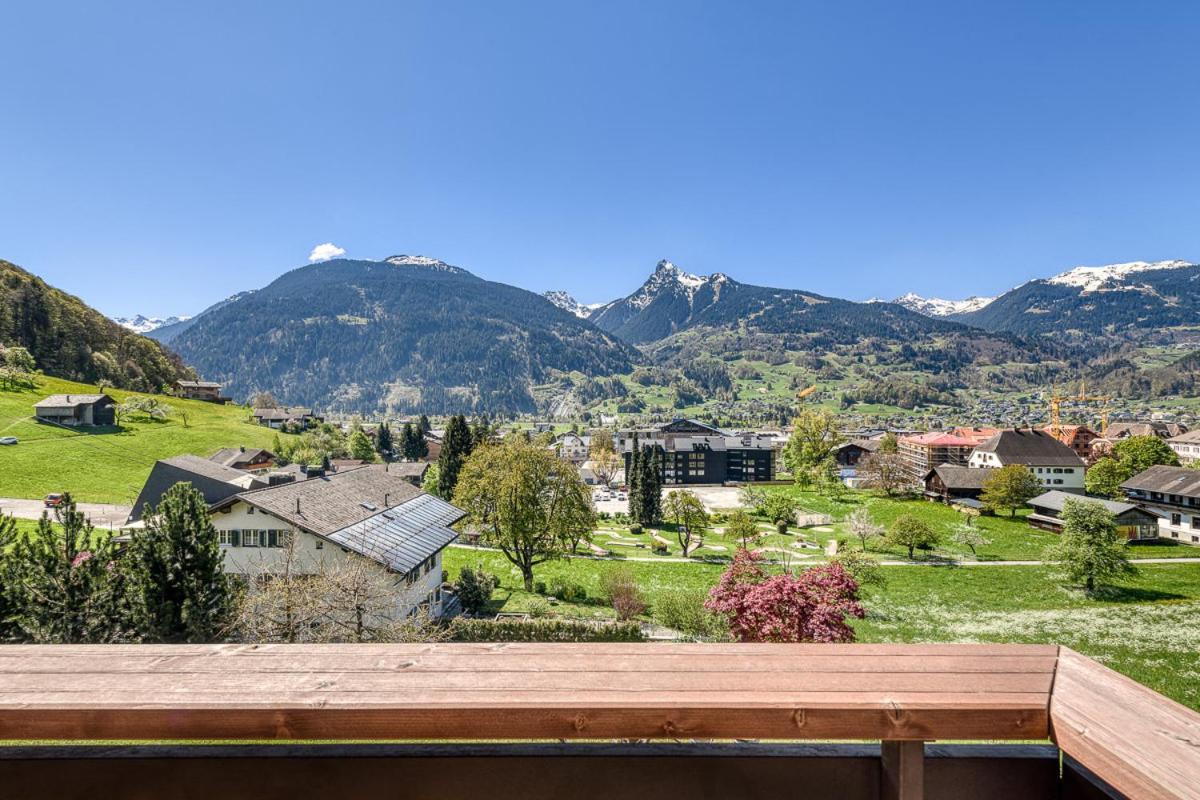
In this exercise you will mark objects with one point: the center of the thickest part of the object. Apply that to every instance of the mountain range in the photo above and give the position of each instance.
(403, 334)
(143, 324)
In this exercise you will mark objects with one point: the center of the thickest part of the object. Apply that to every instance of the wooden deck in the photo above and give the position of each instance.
(1133, 739)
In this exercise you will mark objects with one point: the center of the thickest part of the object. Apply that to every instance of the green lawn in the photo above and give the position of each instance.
(108, 465)
(1148, 628)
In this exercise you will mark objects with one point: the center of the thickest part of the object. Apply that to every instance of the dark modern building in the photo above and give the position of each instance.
(697, 453)
(76, 409)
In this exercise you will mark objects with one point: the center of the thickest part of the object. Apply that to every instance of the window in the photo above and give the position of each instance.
(250, 509)
(1196, 521)
(320, 544)
(250, 539)
(227, 538)
(1176, 519)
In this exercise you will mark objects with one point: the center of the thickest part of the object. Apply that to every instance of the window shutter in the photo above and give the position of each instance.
(235, 538)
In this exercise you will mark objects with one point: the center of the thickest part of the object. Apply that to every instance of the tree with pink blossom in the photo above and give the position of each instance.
(810, 606)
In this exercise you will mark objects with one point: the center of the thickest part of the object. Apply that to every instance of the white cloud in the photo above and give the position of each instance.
(324, 252)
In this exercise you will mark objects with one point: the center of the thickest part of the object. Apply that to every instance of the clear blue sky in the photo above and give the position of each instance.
(157, 156)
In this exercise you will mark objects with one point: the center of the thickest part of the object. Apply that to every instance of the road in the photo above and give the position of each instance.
(102, 515)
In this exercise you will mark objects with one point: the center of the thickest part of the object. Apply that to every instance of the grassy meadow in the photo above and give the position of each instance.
(108, 465)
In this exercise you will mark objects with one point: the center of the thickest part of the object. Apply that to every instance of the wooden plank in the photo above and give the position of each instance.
(1139, 742)
(449, 691)
(902, 770)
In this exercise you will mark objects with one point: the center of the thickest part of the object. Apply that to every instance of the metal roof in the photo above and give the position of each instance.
(403, 536)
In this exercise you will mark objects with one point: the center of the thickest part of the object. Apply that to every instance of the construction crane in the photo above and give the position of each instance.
(1057, 400)
(806, 391)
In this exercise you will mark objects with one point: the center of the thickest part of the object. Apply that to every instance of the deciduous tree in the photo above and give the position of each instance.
(883, 471)
(812, 606)
(863, 527)
(525, 501)
(1090, 550)
(911, 532)
(1010, 487)
(691, 519)
(815, 437)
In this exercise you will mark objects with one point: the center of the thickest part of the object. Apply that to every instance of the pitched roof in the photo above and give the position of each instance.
(958, 477)
(870, 445)
(938, 439)
(402, 537)
(1030, 447)
(228, 456)
(214, 481)
(322, 505)
(1191, 437)
(1168, 480)
(1055, 500)
(281, 413)
(70, 400)
(198, 384)
(409, 469)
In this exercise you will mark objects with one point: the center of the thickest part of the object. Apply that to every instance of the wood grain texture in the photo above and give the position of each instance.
(526, 691)
(1141, 743)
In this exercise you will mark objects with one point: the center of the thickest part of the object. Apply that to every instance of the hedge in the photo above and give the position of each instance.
(542, 630)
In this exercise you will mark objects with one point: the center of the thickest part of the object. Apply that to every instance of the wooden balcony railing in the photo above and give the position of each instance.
(1122, 737)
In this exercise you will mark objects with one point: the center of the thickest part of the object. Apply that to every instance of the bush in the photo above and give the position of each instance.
(539, 587)
(683, 610)
(568, 592)
(542, 630)
(474, 589)
(621, 590)
(635, 529)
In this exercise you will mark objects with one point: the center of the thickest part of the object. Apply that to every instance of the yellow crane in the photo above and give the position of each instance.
(1057, 400)
(806, 391)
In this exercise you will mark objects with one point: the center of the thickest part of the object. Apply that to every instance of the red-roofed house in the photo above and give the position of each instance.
(924, 451)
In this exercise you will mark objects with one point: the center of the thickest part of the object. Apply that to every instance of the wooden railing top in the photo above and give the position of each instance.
(1138, 741)
(526, 691)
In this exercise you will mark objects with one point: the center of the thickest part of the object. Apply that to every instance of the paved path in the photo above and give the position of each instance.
(102, 515)
(679, 560)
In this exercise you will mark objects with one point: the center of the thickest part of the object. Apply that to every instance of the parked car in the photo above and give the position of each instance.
(8, 440)
(54, 500)
(622, 496)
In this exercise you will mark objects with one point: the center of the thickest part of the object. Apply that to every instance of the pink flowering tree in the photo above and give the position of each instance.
(811, 606)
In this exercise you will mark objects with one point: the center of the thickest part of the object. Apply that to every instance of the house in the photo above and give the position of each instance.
(76, 409)
(215, 481)
(277, 418)
(922, 452)
(411, 471)
(433, 444)
(1172, 495)
(1077, 437)
(1055, 465)
(1163, 430)
(1186, 446)
(1133, 522)
(247, 459)
(363, 513)
(953, 483)
(694, 452)
(572, 447)
(200, 390)
(848, 454)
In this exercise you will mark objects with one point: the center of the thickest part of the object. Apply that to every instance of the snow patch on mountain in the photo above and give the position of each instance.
(422, 261)
(143, 324)
(938, 307)
(1111, 276)
(669, 278)
(568, 303)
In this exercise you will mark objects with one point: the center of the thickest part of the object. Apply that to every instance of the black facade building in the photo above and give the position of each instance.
(695, 453)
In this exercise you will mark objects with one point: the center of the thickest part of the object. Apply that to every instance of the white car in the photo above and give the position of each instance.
(8, 440)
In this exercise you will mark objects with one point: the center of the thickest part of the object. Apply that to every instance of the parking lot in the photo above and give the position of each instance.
(714, 498)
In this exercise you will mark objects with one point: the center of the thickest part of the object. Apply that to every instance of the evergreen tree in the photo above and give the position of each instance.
(178, 589)
(10, 580)
(456, 446)
(633, 480)
(59, 581)
(408, 436)
(481, 433)
(654, 481)
(360, 445)
(383, 441)
(423, 425)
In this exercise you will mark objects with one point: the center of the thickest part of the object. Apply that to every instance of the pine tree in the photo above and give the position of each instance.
(58, 581)
(408, 436)
(652, 491)
(456, 446)
(423, 425)
(383, 441)
(633, 479)
(178, 589)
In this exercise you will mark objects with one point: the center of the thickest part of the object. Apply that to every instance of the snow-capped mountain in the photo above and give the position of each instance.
(937, 307)
(568, 303)
(662, 304)
(1117, 301)
(143, 324)
(423, 261)
(1112, 276)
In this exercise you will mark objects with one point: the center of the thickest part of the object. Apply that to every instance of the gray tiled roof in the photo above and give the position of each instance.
(69, 400)
(958, 477)
(1168, 480)
(322, 505)
(1055, 500)
(214, 481)
(228, 456)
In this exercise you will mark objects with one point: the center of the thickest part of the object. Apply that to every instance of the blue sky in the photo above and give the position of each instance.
(156, 157)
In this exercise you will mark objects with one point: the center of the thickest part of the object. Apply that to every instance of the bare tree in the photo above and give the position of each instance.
(863, 527)
(884, 471)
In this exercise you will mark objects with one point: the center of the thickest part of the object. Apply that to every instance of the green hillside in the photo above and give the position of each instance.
(108, 465)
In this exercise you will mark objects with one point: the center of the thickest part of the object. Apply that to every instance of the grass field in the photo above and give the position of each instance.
(1147, 628)
(108, 465)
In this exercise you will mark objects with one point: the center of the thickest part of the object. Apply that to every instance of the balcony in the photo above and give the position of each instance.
(588, 720)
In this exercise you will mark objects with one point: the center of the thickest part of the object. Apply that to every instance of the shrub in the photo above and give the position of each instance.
(542, 630)
(683, 610)
(635, 529)
(568, 592)
(474, 589)
(621, 590)
(539, 587)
